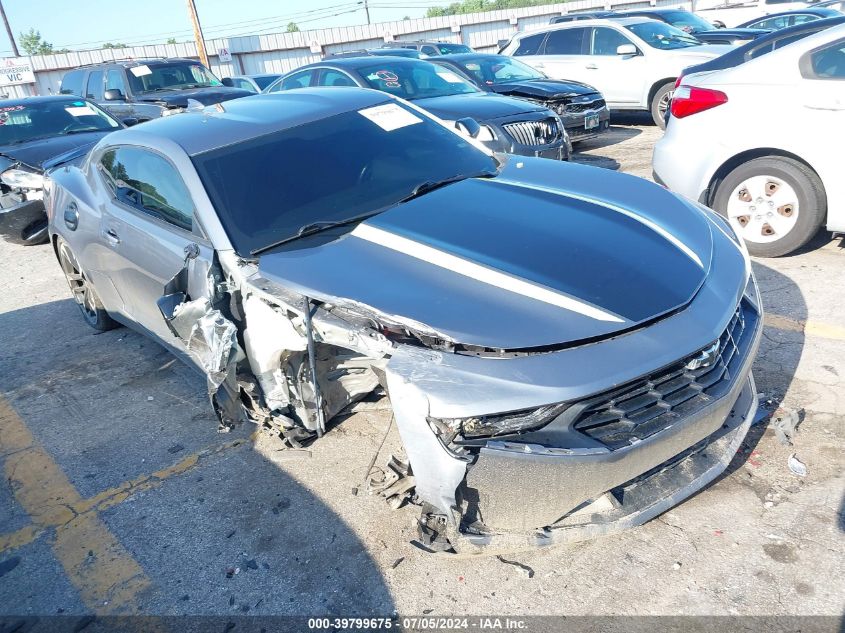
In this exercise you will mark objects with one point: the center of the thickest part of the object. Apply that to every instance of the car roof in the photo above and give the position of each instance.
(246, 118)
(138, 62)
(35, 100)
(457, 57)
(579, 24)
(813, 10)
(366, 60)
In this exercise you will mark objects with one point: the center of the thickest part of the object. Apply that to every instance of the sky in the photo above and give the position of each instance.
(90, 23)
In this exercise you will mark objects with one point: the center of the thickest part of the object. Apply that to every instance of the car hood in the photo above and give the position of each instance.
(206, 96)
(542, 255)
(483, 106)
(42, 153)
(543, 89)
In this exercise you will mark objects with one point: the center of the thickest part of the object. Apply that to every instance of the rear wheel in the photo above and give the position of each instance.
(775, 204)
(83, 291)
(660, 104)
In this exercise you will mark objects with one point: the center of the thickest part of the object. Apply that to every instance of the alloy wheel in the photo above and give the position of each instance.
(80, 287)
(763, 209)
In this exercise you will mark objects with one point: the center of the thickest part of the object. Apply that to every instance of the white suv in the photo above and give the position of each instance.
(634, 62)
(761, 143)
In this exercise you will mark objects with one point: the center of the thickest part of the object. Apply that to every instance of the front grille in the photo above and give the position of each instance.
(583, 106)
(534, 133)
(644, 407)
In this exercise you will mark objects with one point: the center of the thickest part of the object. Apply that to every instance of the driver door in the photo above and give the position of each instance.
(619, 77)
(147, 227)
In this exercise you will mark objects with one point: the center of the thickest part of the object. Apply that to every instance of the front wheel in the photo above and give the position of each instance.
(660, 104)
(775, 204)
(83, 291)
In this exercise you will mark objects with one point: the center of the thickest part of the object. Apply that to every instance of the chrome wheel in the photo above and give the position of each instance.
(763, 209)
(663, 104)
(80, 287)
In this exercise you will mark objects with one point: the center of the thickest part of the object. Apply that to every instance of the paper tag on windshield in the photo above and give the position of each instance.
(390, 116)
(449, 76)
(140, 71)
(80, 111)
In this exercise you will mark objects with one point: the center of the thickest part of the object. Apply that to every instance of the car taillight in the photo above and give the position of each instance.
(687, 100)
(678, 81)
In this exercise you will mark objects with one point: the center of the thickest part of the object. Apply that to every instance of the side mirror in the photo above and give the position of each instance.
(468, 126)
(626, 50)
(114, 94)
(227, 81)
(130, 121)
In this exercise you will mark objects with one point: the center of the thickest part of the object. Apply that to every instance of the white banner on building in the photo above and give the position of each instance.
(15, 71)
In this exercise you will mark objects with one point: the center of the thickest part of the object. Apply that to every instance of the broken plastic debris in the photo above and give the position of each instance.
(785, 423)
(797, 466)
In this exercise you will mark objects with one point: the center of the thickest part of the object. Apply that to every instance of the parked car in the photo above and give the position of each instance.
(35, 134)
(634, 62)
(703, 30)
(376, 52)
(582, 15)
(776, 21)
(732, 13)
(252, 83)
(430, 48)
(776, 189)
(392, 251)
(581, 107)
(145, 89)
(773, 40)
(503, 124)
(839, 5)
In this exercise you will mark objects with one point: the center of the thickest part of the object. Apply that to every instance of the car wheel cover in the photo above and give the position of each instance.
(763, 209)
(663, 104)
(80, 287)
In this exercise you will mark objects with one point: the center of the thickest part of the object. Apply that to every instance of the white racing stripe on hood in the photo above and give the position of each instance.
(609, 205)
(480, 272)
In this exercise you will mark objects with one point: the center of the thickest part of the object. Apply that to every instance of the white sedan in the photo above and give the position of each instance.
(632, 61)
(761, 143)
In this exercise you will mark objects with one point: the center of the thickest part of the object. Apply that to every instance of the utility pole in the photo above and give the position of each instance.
(367, 11)
(195, 20)
(9, 30)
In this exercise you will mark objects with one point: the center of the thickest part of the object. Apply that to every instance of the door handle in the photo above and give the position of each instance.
(112, 237)
(591, 67)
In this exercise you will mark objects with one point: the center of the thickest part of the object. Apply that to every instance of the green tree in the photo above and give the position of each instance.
(33, 44)
(171, 40)
(477, 6)
(293, 27)
(113, 45)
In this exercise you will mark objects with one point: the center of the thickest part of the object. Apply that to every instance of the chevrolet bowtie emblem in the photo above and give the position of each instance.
(705, 357)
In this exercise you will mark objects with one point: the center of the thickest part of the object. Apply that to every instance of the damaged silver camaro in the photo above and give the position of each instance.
(567, 350)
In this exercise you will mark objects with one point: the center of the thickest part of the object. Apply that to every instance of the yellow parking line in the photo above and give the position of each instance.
(21, 537)
(106, 576)
(810, 328)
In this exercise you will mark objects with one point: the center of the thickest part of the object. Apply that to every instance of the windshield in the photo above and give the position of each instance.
(333, 169)
(262, 81)
(688, 22)
(497, 69)
(662, 36)
(30, 121)
(414, 79)
(170, 76)
(452, 49)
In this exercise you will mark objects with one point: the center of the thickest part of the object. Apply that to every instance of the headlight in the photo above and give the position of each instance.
(20, 179)
(491, 425)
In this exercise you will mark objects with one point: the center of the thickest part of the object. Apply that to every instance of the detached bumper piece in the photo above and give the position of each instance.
(625, 456)
(22, 221)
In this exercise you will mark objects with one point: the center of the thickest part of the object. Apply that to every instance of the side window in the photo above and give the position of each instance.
(331, 77)
(529, 45)
(826, 63)
(94, 87)
(773, 24)
(72, 83)
(296, 80)
(606, 41)
(565, 42)
(114, 81)
(148, 182)
(801, 18)
(429, 50)
(243, 84)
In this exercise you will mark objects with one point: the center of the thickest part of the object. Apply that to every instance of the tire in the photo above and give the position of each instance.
(660, 104)
(792, 198)
(83, 290)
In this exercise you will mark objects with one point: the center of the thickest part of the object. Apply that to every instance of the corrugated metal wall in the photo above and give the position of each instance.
(281, 52)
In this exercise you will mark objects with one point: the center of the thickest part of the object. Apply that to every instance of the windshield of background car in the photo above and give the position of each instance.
(498, 69)
(170, 76)
(27, 122)
(688, 22)
(414, 80)
(452, 49)
(662, 36)
(265, 80)
(332, 169)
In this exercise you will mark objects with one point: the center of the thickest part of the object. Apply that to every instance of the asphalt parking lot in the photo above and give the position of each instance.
(120, 497)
